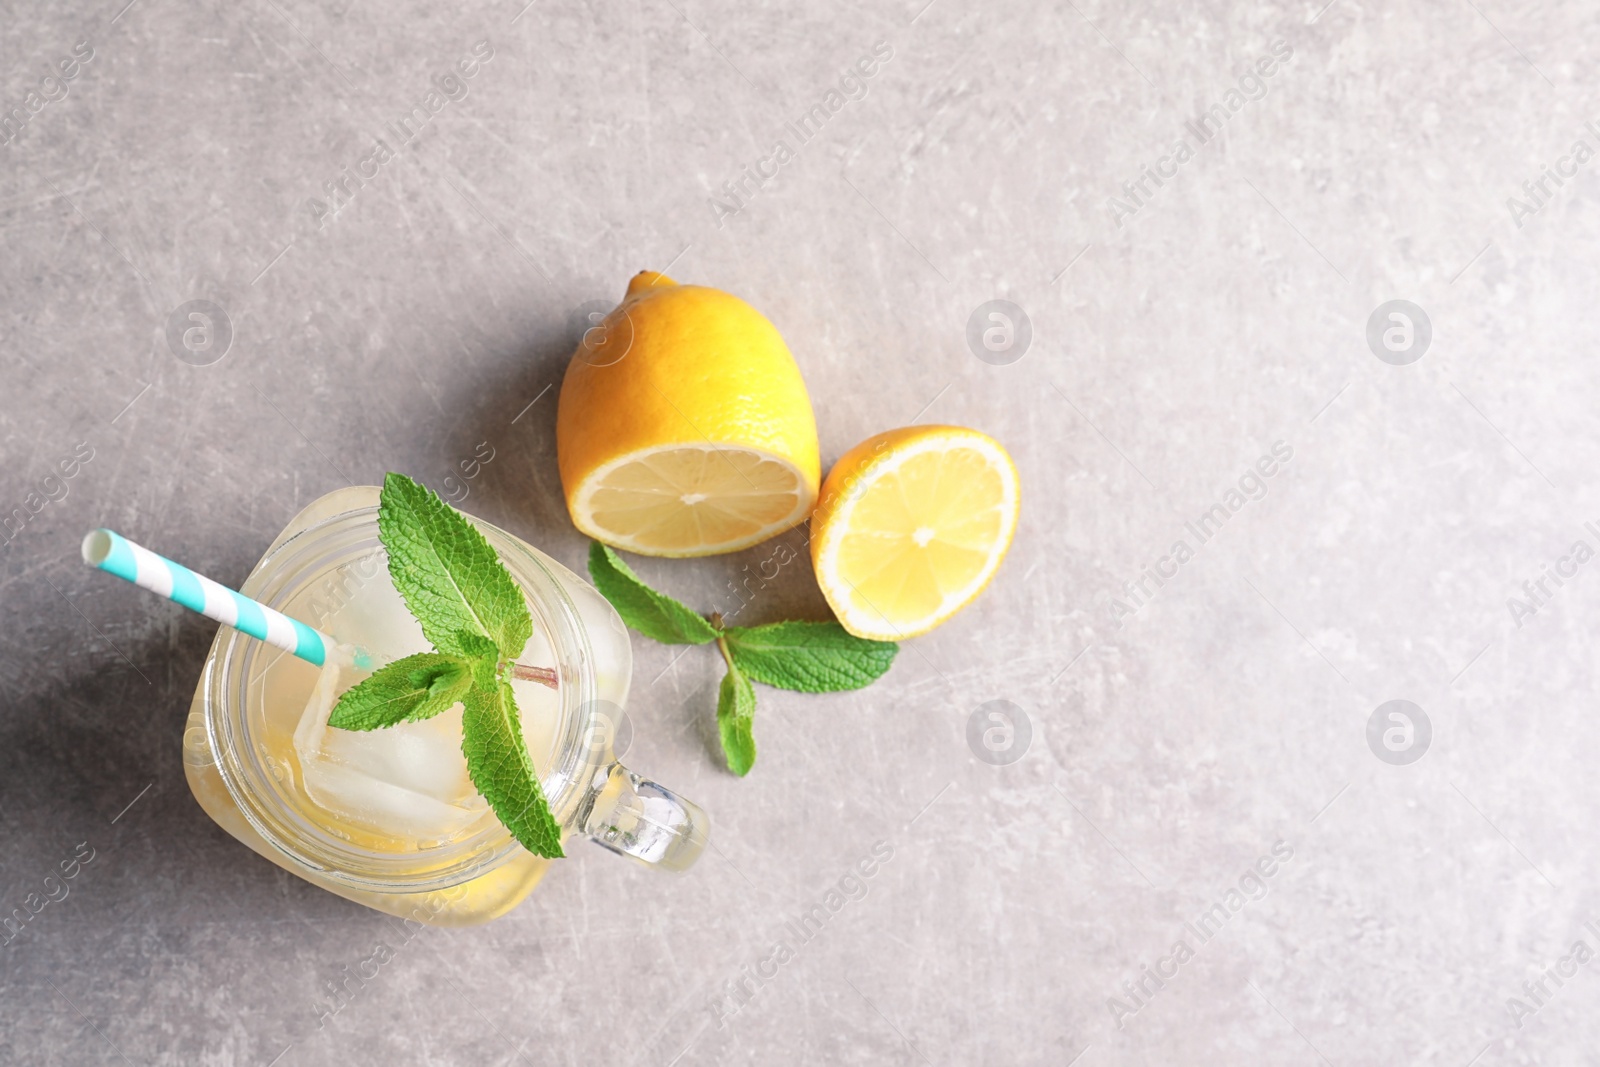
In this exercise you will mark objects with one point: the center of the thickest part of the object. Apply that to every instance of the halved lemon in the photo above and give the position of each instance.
(684, 427)
(911, 526)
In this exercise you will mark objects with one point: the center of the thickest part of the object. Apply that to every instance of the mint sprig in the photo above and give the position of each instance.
(473, 613)
(807, 657)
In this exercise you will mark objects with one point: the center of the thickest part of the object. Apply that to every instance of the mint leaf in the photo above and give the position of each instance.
(497, 759)
(811, 657)
(656, 615)
(407, 690)
(450, 577)
(736, 709)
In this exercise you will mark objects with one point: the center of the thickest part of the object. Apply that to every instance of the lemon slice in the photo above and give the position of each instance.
(680, 499)
(911, 526)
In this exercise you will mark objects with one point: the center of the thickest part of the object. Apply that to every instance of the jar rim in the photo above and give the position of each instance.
(310, 555)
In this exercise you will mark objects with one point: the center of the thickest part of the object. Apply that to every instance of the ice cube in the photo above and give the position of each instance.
(408, 781)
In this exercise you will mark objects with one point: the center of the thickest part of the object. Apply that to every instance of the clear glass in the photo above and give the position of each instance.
(386, 818)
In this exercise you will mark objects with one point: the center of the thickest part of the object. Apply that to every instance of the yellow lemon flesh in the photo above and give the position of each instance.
(684, 427)
(911, 526)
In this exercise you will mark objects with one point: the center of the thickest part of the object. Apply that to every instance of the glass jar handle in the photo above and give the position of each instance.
(637, 818)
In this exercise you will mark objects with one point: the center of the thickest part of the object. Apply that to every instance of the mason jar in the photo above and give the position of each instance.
(387, 817)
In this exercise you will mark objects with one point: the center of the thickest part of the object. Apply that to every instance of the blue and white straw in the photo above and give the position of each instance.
(115, 554)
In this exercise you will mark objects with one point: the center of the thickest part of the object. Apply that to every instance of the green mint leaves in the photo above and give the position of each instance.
(452, 581)
(473, 613)
(491, 738)
(808, 657)
(736, 712)
(653, 614)
(811, 657)
(407, 690)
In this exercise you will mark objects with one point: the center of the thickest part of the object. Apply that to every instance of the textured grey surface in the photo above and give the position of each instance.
(1168, 753)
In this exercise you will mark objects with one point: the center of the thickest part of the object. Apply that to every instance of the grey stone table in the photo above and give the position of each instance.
(1262, 501)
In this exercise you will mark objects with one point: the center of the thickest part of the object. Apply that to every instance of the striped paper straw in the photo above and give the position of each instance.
(115, 554)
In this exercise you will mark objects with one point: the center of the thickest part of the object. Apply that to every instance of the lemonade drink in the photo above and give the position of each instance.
(389, 817)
